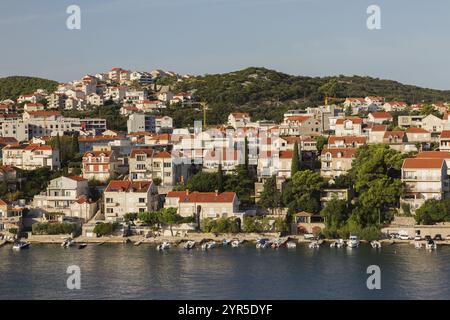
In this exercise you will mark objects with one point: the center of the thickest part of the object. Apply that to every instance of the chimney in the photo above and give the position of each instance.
(217, 192)
(187, 192)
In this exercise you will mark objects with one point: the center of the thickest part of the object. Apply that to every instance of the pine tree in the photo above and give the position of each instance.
(295, 165)
(271, 196)
(74, 145)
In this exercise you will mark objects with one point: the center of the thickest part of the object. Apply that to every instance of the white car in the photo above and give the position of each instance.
(308, 236)
(417, 238)
(403, 237)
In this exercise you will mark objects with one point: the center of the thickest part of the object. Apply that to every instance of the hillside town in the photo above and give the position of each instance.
(311, 173)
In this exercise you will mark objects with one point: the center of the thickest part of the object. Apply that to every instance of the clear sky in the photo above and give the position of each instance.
(302, 37)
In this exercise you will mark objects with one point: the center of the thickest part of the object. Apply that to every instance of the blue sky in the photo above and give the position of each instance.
(302, 37)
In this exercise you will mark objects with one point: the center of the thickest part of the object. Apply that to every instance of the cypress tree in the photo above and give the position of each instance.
(220, 178)
(295, 165)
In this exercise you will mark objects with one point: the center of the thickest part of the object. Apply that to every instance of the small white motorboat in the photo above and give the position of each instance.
(353, 242)
(235, 243)
(314, 245)
(375, 244)
(226, 242)
(189, 245)
(418, 245)
(431, 245)
(291, 245)
(67, 243)
(82, 246)
(21, 245)
(163, 246)
(262, 243)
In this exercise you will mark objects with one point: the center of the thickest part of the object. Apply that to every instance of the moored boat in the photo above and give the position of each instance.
(189, 245)
(291, 245)
(226, 242)
(431, 245)
(82, 245)
(375, 244)
(314, 245)
(235, 243)
(163, 246)
(353, 242)
(19, 245)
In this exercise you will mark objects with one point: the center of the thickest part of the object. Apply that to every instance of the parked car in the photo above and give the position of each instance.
(393, 235)
(417, 238)
(438, 237)
(447, 237)
(308, 236)
(428, 238)
(403, 237)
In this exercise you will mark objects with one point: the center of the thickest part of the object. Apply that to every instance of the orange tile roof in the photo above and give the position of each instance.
(344, 152)
(419, 163)
(354, 120)
(128, 186)
(381, 115)
(445, 134)
(433, 155)
(202, 197)
(416, 130)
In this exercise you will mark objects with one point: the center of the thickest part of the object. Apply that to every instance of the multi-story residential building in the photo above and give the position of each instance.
(410, 121)
(346, 141)
(336, 161)
(136, 96)
(300, 125)
(124, 196)
(150, 105)
(375, 133)
(56, 101)
(433, 124)
(66, 195)
(99, 165)
(94, 99)
(115, 93)
(138, 122)
(203, 205)
(14, 128)
(445, 155)
(31, 156)
(349, 127)
(238, 119)
(227, 157)
(148, 164)
(275, 163)
(143, 78)
(163, 124)
(30, 106)
(424, 179)
(10, 218)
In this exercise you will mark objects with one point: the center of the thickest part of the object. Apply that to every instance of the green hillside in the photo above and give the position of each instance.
(13, 87)
(268, 94)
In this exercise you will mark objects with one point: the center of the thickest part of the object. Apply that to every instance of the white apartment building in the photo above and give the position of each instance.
(424, 179)
(31, 156)
(124, 196)
(147, 164)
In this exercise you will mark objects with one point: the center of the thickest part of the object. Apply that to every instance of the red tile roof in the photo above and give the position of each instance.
(433, 155)
(202, 197)
(381, 115)
(128, 186)
(392, 134)
(445, 134)
(415, 163)
(416, 130)
(43, 113)
(298, 118)
(347, 139)
(354, 120)
(343, 152)
(76, 178)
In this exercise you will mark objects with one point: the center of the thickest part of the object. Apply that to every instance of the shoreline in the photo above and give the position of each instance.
(198, 238)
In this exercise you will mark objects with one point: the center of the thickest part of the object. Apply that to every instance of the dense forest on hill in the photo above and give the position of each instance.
(13, 87)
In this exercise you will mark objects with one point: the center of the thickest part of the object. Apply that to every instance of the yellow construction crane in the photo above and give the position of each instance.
(327, 99)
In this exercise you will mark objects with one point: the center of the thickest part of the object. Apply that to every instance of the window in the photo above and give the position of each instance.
(109, 200)
(141, 200)
(167, 165)
(109, 210)
(141, 210)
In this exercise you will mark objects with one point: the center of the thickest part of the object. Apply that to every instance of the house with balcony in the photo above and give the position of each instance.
(424, 179)
(99, 165)
(10, 218)
(65, 195)
(238, 119)
(444, 140)
(147, 164)
(336, 161)
(125, 196)
(30, 156)
(349, 127)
